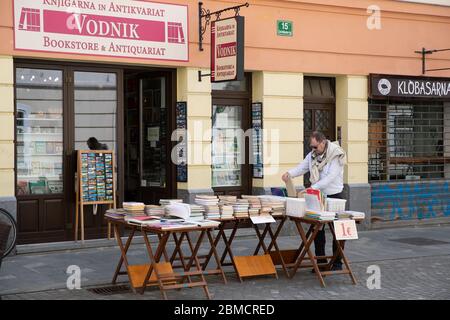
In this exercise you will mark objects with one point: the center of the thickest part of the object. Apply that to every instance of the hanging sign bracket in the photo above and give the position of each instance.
(424, 53)
(204, 19)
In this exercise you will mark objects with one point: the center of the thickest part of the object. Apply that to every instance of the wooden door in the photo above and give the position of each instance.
(319, 111)
(40, 110)
(94, 106)
(149, 121)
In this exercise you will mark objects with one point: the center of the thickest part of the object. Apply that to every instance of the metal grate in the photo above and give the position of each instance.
(420, 241)
(408, 141)
(110, 290)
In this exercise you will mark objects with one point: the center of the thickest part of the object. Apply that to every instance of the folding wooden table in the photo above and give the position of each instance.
(305, 252)
(162, 274)
(283, 258)
(244, 266)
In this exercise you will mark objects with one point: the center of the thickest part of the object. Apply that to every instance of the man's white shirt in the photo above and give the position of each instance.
(331, 177)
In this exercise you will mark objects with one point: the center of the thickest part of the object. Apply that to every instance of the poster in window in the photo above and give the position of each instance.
(181, 147)
(257, 138)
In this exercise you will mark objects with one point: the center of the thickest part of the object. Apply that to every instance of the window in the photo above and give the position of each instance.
(408, 141)
(227, 148)
(95, 105)
(39, 125)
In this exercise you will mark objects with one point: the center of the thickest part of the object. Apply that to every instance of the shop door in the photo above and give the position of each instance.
(150, 172)
(230, 156)
(57, 110)
(319, 111)
(40, 159)
(94, 104)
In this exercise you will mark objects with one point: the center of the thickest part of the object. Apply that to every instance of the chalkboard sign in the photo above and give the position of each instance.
(257, 138)
(181, 147)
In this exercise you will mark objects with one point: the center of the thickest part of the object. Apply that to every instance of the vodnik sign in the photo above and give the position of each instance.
(227, 49)
(412, 87)
(131, 29)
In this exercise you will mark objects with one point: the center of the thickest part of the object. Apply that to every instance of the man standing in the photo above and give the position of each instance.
(325, 163)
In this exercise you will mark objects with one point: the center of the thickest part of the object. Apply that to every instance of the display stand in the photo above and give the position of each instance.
(95, 184)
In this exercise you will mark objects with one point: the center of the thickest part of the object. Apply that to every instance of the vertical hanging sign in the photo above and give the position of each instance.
(227, 49)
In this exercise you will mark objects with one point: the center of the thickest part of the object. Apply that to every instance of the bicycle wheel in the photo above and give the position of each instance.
(8, 232)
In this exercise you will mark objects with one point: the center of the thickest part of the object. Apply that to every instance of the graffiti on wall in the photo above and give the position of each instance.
(422, 200)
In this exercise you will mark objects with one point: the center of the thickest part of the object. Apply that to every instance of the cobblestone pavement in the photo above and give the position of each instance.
(418, 278)
(408, 271)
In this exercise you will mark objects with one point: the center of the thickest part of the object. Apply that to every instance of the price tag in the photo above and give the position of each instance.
(345, 229)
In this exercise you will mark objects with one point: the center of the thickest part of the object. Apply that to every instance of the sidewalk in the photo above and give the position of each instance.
(408, 271)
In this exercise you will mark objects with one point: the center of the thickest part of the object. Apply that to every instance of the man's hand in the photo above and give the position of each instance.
(285, 177)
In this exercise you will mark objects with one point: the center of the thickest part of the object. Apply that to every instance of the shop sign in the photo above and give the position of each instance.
(409, 87)
(130, 29)
(227, 49)
(284, 28)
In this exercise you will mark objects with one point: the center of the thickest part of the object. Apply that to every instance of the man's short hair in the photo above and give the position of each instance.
(318, 136)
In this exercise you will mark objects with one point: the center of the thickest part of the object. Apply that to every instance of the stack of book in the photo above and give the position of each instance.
(154, 210)
(226, 212)
(141, 220)
(210, 204)
(278, 208)
(265, 209)
(165, 202)
(212, 212)
(254, 205)
(241, 208)
(206, 200)
(117, 214)
(355, 215)
(227, 200)
(136, 208)
(197, 212)
(274, 205)
(343, 215)
(226, 206)
(320, 215)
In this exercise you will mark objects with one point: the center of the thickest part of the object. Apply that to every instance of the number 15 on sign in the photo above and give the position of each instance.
(345, 230)
(284, 28)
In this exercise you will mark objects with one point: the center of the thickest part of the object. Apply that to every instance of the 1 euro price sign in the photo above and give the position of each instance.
(345, 230)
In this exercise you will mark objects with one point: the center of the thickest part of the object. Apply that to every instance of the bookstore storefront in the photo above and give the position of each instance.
(62, 106)
(409, 147)
(71, 81)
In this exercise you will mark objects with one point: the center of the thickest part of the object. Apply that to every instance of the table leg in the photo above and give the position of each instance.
(123, 250)
(277, 233)
(166, 256)
(194, 252)
(261, 238)
(178, 249)
(307, 250)
(228, 251)
(340, 252)
(216, 256)
(216, 242)
(154, 260)
(228, 242)
(277, 249)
